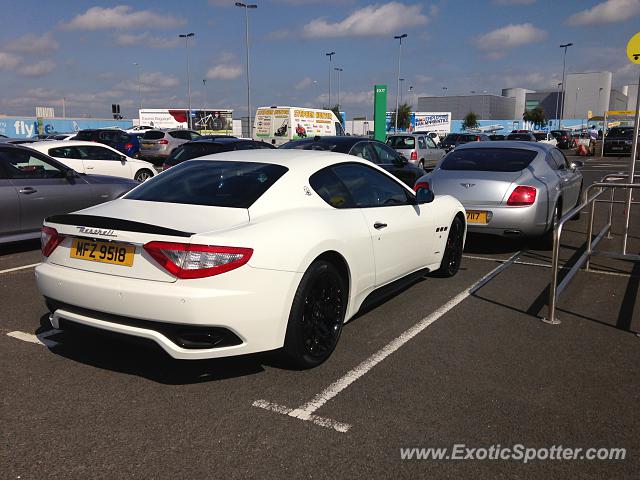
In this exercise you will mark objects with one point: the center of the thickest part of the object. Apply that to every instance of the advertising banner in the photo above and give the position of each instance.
(29, 127)
(439, 122)
(205, 121)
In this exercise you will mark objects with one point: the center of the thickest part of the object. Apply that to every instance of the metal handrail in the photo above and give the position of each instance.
(554, 289)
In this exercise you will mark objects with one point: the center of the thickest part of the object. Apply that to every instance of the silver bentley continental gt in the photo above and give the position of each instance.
(508, 189)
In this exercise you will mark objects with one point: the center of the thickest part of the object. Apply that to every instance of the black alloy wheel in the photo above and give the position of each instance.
(317, 315)
(452, 257)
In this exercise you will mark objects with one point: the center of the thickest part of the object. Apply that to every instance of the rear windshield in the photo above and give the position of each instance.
(401, 142)
(621, 132)
(193, 150)
(313, 145)
(85, 135)
(153, 135)
(468, 138)
(519, 136)
(452, 137)
(540, 136)
(214, 184)
(488, 159)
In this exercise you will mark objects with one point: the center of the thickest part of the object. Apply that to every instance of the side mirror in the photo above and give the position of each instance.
(424, 195)
(577, 164)
(123, 158)
(70, 173)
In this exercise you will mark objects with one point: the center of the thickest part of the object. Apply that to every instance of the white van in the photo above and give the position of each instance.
(278, 125)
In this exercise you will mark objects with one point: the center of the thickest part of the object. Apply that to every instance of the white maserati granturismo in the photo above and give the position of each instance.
(245, 252)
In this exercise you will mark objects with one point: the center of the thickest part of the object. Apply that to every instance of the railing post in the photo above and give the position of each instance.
(612, 198)
(592, 213)
(551, 315)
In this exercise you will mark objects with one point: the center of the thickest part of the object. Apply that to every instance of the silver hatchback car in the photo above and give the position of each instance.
(157, 145)
(508, 188)
(418, 149)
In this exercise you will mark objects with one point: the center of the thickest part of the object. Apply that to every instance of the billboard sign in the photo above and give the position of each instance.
(439, 122)
(205, 121)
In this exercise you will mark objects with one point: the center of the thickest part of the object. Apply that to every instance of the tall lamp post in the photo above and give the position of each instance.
(398, 37)
(246, 7)
(564, 64)
(204, 87)
(557, 103)
(339, 70)
(139, 87)
(186, 37)
(401, 89)
(330, 55)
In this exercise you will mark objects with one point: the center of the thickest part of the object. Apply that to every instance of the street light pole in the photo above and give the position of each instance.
(557, 102)
(401, 89)
(339, 70)
(139, 87)
(564, 64)
(330, 55)
(246, 7)
(398, 37)
(186, 37)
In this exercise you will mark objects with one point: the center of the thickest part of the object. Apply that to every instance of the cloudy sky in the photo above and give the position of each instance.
(85, 51)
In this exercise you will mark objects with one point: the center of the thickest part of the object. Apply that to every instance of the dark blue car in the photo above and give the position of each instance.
(127, 143)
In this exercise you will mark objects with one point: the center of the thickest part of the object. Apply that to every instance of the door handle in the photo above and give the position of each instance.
(27, 190)
(379, 225)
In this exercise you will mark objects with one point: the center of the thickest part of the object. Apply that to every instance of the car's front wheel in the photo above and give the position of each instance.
(317, 315)
(453, 251)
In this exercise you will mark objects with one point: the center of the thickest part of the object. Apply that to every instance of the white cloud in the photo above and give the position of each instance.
(34, 44)
(37, 69)
(150, 82)
(506, 38)
(372, 20)
(122, 17)
(362, 98)
(304, 83)
(8, 61)
(224, 72)
(146, 40)
(606, 12)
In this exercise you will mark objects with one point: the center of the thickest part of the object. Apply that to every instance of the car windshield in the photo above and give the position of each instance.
(153, 135)
(540, 136)
(401, 142)
(489, 159)
(312, 145)
(210, 183)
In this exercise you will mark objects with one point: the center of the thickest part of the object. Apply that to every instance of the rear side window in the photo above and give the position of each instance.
(370, 188)
(153, 135)
(182, 135)
(312, 145)
(326, 184)
(64, 152)
(214, 184)
(489, 159)
(401, 142)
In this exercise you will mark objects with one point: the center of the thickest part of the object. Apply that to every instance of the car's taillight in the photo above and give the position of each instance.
(128, 146)
(163, 142)
(414, 155)
(420, 185)
(197, 261)
(49, 240)
(522, 196)
(477, 138)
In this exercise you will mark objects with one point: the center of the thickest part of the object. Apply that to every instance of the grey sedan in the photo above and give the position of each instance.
(34, 186)
(508, 188)
(418, 149)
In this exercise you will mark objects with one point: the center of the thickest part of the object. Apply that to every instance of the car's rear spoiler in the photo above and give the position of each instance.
(114, 224)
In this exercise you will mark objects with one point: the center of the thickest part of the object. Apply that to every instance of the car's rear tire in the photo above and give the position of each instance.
(453, 251)
(317, 315)
(545, 241)
(143, 175)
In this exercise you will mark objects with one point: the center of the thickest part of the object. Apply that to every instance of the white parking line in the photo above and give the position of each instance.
(40, 339)
(306, 411)
(15, 269)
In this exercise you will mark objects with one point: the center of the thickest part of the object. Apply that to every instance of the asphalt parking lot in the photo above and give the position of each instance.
(433, 366)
